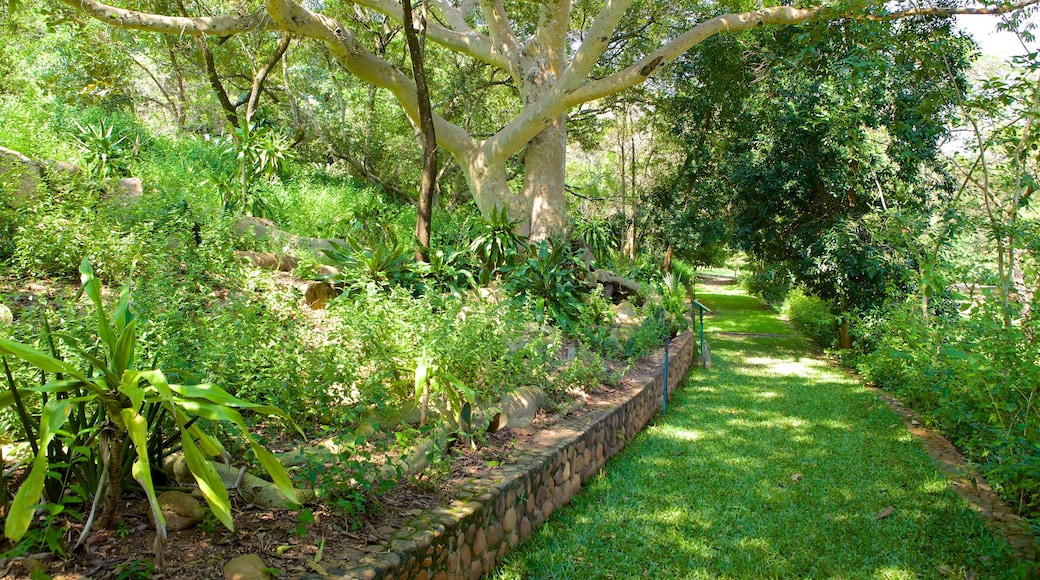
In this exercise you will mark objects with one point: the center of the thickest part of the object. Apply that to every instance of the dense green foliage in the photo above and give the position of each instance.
(821, 152)
(834, 166)
(401, 337)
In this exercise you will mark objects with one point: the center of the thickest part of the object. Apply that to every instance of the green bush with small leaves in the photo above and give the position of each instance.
(812, 316)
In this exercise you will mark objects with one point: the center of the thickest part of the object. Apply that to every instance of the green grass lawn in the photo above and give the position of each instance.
(774, 464)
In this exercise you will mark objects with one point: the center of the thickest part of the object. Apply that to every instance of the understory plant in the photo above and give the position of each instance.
(106, 151)
(93, 417)
(813, 316)
(382, 265)
(973, 377)
(497, 244)
(552, 278)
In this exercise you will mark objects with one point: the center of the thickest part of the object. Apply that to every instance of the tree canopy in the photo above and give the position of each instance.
(555, 56)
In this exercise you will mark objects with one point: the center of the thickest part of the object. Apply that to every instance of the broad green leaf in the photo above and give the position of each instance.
(275, 469)
(158, 381)
(209, 444)
(124, 352)
(130, 386)
(470, 394)
(122, 316)
(422, 382)
(210, 485)
(137, 429)
(52, 418)
(63, 386)
(92, 287)
(210, 411)
(38, 359)
(215, 394)
(267, 460)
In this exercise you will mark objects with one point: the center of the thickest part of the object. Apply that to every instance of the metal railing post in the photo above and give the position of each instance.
(664, 397)
(701, 309)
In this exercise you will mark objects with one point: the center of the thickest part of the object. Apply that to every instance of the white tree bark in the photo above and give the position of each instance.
(550, 84)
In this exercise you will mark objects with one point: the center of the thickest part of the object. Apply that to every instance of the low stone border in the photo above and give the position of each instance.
(491, 515)
(997, 516)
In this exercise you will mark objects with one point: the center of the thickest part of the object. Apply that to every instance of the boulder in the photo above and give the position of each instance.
(6, 319)
(625, 314)
(21, 173)
(248, 567)
(318, 294)
(130, 188)
(24, 175)
(180, 510)
(518, 408)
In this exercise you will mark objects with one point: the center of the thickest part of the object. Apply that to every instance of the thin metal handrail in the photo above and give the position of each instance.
(699, 314)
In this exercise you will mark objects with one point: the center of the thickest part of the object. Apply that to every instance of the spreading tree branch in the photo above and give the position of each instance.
(261, 75)
(146, 21)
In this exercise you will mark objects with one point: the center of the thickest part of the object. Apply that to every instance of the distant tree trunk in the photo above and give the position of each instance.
(843, 334)
(427, 134)
(182, 100)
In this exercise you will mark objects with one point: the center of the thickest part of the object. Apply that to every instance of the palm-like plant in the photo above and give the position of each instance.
(105, 151)
(498, 244)
(381, 264)
(123, 399)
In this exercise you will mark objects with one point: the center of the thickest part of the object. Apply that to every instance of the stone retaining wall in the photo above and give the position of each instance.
(493, 514)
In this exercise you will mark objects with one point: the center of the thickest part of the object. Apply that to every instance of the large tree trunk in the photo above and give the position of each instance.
(490, 187)
(545, 168)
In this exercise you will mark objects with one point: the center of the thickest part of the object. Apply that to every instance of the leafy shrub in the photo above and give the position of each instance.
(685, 270)
(657, 324)
(675, 295)
(380, 265)
(496, 244)
(583, 373)
(10, 218)
(57, 233)
(768, 282)
(551, 278)
(106, 152)
(258, 151)
(812, 316)
(448, 271)
(974, 378)
(598, 235)
(111, 405)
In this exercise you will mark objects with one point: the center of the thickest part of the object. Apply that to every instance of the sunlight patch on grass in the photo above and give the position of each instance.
(803, 367)
(892, 573)
(681, 434)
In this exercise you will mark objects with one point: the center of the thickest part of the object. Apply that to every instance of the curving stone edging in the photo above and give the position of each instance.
(491, 515)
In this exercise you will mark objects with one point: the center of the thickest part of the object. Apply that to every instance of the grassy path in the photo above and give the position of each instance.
(773, 464)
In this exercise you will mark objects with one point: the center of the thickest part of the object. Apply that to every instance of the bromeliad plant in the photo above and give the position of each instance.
(124, 405)
(550, 278)
(106, 151)
(497, 245)
(384, 265)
